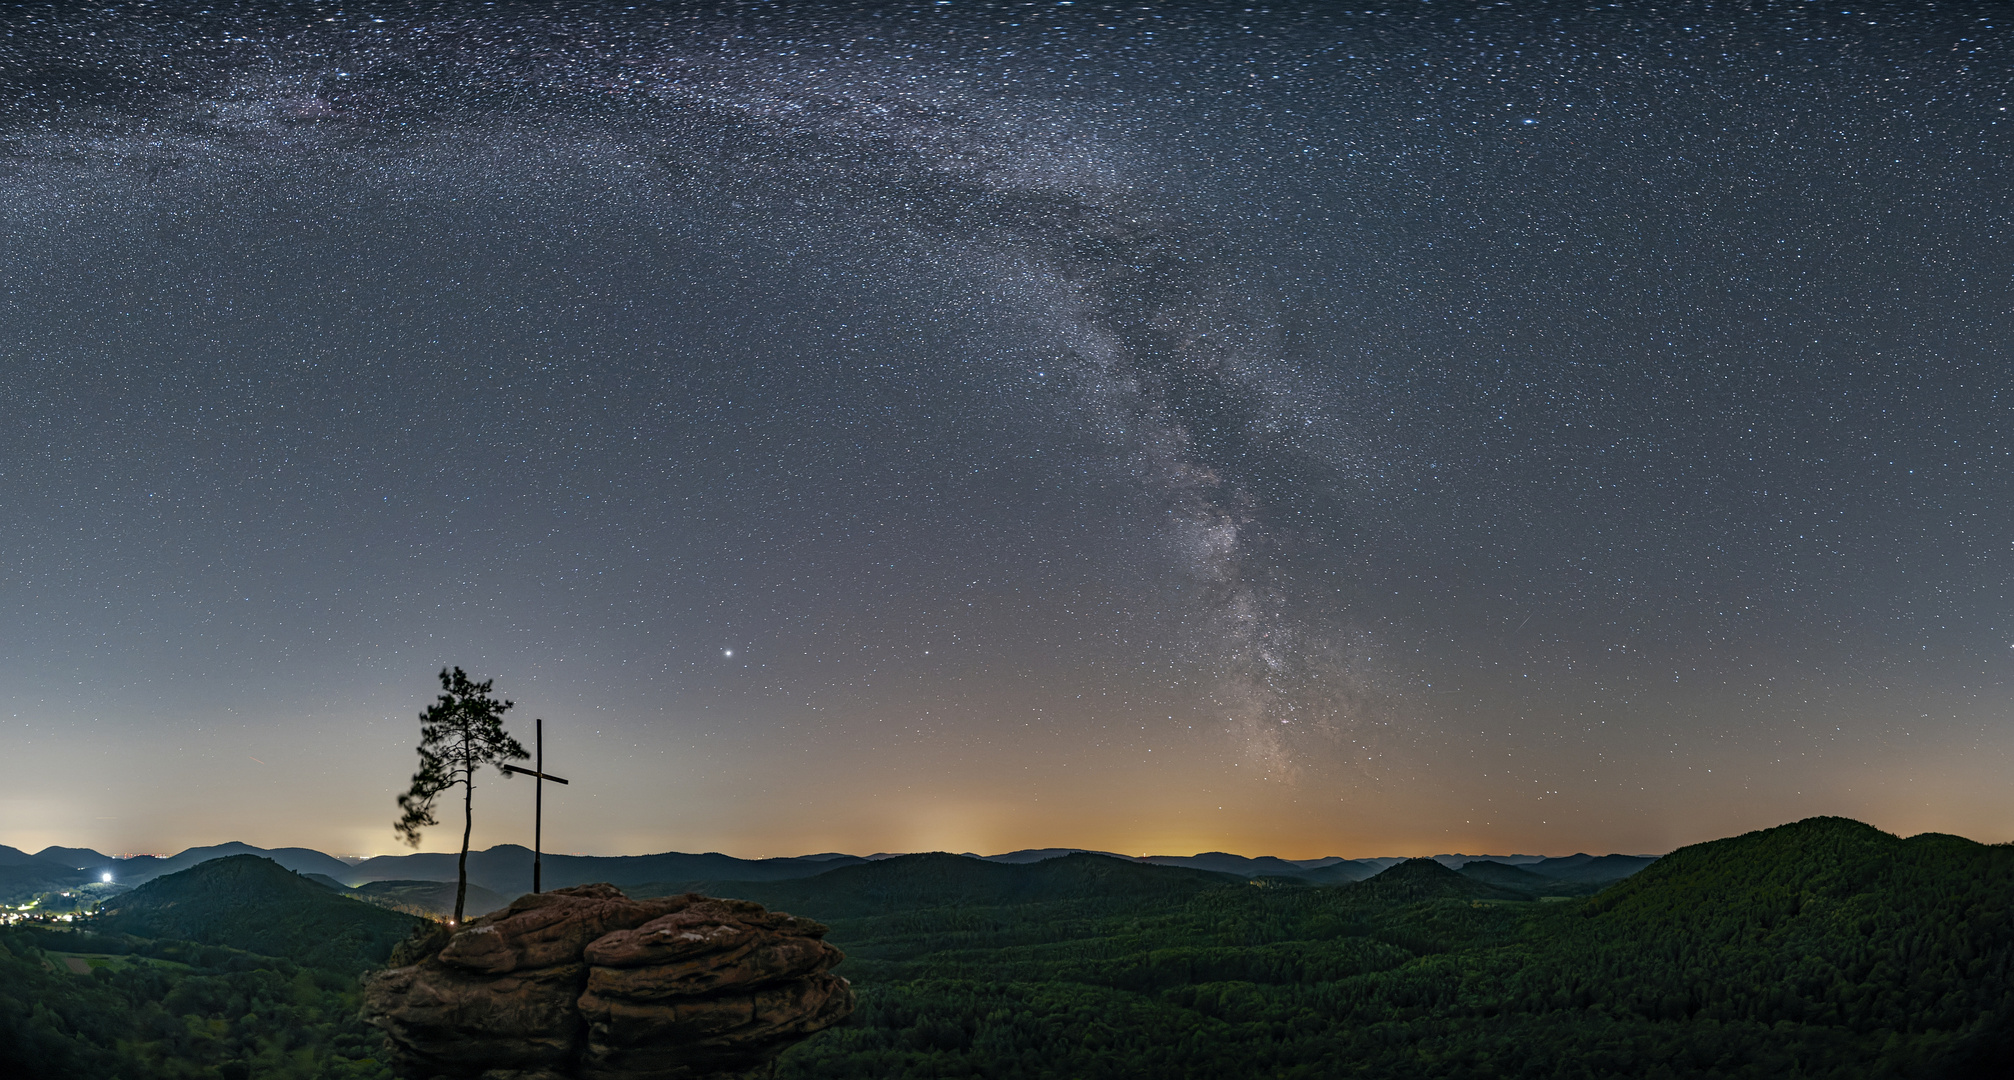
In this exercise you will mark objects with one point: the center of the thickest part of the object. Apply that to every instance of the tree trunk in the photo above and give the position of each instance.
(468, 823)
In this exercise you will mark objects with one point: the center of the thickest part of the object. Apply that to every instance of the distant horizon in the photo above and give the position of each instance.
(359, 857)
(979, 851)
(559, 830)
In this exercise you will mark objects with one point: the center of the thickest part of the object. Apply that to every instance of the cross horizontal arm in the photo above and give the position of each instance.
(531, 772)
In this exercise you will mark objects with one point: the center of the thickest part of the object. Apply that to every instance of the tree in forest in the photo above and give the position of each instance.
(459, 733)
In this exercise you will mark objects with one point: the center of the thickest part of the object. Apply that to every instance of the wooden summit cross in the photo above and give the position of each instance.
(538, 799)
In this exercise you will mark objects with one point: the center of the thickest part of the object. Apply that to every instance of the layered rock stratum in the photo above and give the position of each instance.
(589, 984)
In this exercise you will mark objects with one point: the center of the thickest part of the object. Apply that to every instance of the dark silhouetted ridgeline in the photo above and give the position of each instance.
(24, 876)
(1324, 872)
(140, 869)
(73, 857)
(939, 880)
(1590, 869)
(506, 868)
(1416, 880)
(1522, 880)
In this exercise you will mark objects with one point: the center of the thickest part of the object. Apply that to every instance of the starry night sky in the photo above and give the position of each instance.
(1301, 431)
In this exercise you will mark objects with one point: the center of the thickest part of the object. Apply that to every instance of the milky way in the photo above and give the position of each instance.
(1304, 428)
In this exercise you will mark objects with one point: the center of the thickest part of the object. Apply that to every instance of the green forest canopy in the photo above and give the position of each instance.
(1820, 949)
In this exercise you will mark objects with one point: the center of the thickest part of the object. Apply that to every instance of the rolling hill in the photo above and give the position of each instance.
(1825, 948)
(435, 898)
(23, 876)
(1415, 880)
(940, 880)
(256, 904)
(75, 858)
(12, 856)
(140, 869)
(1523, 880)
(1591, 869)
(506, 868)
(303, 860)
(1324, 872)
(1332, 870)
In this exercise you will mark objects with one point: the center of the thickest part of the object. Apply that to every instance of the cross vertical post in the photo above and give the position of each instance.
(538, 802)
(539, 776)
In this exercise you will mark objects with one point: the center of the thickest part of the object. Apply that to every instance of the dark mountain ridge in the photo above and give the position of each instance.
(140, 869)
(23, 876)
(1591, 869)
(505, 869)
(943, 880)
(12, 856)
(1522, 879)
(76, 858)
(1319, 871)
(1426, 879)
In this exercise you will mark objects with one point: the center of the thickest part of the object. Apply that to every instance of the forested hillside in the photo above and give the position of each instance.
(1820, 949)
(253, 903)
(22, 875)
(435, 899)
(83, 1004)
(938, 880)
(234, 968)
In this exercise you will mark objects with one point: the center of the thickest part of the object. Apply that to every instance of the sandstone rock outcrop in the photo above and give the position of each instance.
(587, 983)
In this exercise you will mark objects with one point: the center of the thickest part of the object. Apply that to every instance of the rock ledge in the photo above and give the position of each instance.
(588, 984)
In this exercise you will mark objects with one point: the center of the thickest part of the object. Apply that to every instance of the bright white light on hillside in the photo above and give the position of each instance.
(108, 879)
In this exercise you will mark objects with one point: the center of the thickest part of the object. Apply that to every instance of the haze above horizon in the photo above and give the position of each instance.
(353, 857)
